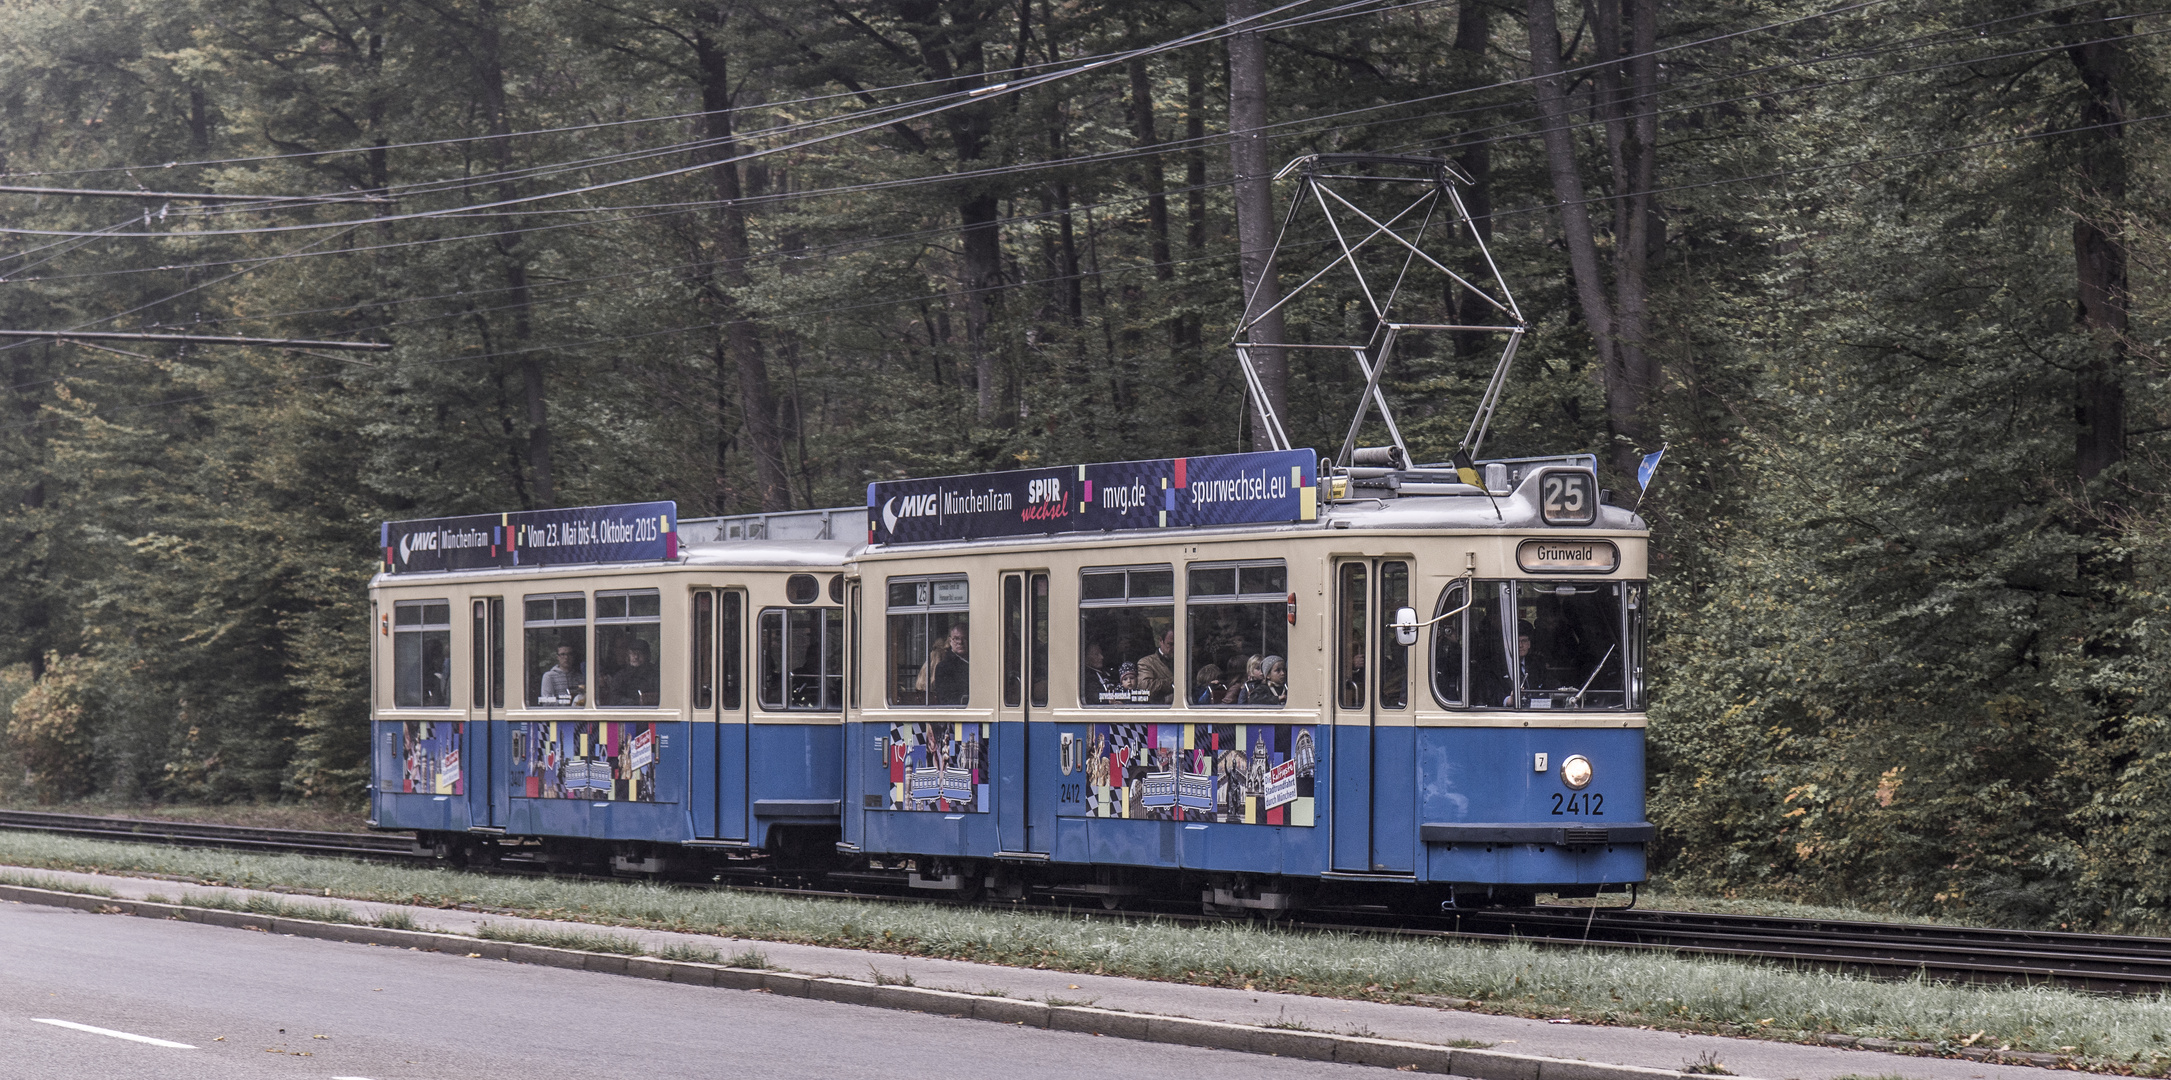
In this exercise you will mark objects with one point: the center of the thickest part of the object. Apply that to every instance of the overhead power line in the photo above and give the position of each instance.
(190, 196)
(197, 339)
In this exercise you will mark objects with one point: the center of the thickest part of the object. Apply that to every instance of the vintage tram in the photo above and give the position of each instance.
(1230, 678)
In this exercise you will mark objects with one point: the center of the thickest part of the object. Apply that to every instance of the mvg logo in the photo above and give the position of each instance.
(907, 506)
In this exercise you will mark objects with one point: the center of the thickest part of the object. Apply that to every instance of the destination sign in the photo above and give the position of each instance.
(626, 532)
(1274, 487)
(1568, 556)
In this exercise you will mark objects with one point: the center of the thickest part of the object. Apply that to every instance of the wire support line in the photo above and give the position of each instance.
(190, 196)
(196, 339)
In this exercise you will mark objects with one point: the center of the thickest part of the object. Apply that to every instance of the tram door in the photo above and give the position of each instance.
(1374, 738)
(1022, 715)
(487, 804)
(717, 644)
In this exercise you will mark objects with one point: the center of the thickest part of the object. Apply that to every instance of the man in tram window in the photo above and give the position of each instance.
(563, 683)
(636, 683)
(1531, 664)
(1157, 669)
(947, 675)
(1095, 681)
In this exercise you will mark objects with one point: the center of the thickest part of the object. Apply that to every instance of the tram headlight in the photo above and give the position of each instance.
(1576, 772)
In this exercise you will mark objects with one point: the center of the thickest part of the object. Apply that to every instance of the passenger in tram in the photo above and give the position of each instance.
(636, 683)
(1094, 680)
(565, 683)
(1127, 680)
(1157, 669)
(1272, 688)
(436, 674)
(1531, 664)
(947, 675)
(1353, 679)
(1207, 687)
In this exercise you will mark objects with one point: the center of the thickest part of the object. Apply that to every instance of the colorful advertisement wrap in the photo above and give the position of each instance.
(1275, 487)
(1237, 774)
(585, 759)
(422, 757)
(627, 532)
(937, 767)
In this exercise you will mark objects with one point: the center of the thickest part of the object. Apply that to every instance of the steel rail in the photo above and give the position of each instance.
(2103, 963)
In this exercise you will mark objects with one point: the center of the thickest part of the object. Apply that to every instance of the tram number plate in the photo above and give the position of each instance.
(1567, 498)
(1578, 804)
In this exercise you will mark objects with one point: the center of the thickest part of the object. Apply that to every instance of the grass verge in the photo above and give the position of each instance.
(1599, 986)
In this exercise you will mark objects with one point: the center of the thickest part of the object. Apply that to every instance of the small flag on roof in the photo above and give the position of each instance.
(1649, 468)
(1466, 470)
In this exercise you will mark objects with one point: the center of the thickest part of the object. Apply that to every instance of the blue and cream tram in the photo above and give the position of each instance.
(1222, 677)
(1219, 673)
(610, 683)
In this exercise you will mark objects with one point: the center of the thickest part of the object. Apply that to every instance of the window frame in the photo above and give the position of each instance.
(1278, 598)
(1169, 601)
(830, 666)
(422, 628)
(925, 611)
(587, 647)
(597, 621)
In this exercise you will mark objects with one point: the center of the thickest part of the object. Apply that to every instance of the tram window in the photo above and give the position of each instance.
(704, 651)
(801, 654)
(1126, 636)
(629, 645)
(1637, 682)
(555, 650)
(730, 644)
(487, 656)
(1039, 624)
(1573, 659)
(1448, 635)
(930, 635)
(1394, 659)
(1013, 640)
(1237, 618)
(1492, 641)
(853, 606)
(1353, 593)
(422, 654)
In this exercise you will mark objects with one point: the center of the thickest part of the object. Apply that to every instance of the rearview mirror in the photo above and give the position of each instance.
(1405, 625)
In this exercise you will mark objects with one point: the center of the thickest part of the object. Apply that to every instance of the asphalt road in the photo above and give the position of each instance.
(257, 1005)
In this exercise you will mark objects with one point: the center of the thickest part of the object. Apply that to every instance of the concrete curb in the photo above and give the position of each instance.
(1209, 1034)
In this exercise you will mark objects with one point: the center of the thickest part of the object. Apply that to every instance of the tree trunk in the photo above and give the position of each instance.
(1473, 29)
(489, 59)
(1255, 221)
(741, 339)
(1623, 410)
(2099, 406)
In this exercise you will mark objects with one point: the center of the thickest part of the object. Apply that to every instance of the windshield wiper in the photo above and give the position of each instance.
(1578, 699)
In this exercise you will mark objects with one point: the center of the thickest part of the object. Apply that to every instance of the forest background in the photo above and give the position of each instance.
(1887, 278)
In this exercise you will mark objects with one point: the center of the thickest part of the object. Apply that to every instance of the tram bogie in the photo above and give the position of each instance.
(1211, 677)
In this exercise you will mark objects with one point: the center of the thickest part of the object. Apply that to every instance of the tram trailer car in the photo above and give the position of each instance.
(1180, 677)
(1118, 727)
(608, 686)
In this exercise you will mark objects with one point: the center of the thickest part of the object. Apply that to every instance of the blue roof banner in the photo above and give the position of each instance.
(625, 532)
(1274, 487)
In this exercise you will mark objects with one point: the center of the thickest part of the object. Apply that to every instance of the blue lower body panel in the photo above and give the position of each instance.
(1266, 799)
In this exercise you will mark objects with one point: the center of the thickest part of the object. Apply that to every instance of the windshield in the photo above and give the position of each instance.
(1561, 645)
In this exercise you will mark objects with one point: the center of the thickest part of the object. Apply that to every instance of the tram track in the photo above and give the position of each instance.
(2101, 963)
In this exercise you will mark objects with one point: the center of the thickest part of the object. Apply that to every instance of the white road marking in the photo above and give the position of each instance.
(72, 1025)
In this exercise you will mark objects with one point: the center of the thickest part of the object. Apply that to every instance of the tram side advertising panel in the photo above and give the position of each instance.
(625, 532)
(1274, 487)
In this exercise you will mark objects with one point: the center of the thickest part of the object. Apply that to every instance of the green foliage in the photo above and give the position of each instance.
(1906, 654)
